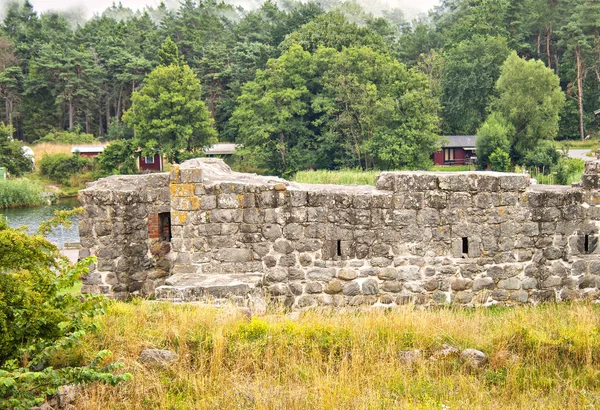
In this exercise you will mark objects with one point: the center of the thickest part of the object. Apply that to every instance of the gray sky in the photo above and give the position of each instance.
(89, 7)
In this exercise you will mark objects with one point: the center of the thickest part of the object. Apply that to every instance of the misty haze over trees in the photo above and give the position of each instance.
(314, 84)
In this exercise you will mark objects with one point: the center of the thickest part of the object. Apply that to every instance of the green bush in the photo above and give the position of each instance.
(569, 170)
(117, 158)
(12, 156)
(499, 160)
(40, 318)
(60, 167)
(545, 157)
(492, 135)
(68, 137)
(19, 192)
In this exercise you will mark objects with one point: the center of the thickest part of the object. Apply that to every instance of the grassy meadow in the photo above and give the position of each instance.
(51, 148)
(358, 176)
(544, 357)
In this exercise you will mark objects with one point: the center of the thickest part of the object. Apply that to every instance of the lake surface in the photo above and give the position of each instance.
(32, 217)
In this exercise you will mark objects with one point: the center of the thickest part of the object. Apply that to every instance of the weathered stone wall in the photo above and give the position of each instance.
(119, 228)
(467, 238)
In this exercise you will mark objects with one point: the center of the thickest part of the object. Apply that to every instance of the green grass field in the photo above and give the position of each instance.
(591, 143)
(357, 176)
(544, 357)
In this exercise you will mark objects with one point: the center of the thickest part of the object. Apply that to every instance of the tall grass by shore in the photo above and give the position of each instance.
(19, 193)
(544, 357)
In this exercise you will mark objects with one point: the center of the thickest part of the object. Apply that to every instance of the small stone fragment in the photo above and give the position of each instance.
(474, 358)
(445, 352)
(410, 356)
(157, 357)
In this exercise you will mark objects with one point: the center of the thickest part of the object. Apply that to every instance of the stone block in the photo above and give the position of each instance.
(388, 274)
(415, 181)
(588, 281)
(509, 284)
(324, 274)
(313, 287)
(463, 297)
(370, 287)
(500, 295)
(287, 260)
(283, 246)
(392, 286)
(233, 255)
(334, 287)
(460, 284)
(351, 289)
(483, 283)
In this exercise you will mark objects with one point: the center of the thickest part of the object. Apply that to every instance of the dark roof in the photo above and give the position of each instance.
(459, 141)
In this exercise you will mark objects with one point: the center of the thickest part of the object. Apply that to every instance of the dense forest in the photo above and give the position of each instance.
(325, 83)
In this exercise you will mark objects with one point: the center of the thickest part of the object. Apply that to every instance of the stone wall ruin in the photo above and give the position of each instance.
(470, 238)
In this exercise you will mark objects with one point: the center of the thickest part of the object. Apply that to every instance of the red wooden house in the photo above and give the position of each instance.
(89, 151)
(154, 163)
(457, 150)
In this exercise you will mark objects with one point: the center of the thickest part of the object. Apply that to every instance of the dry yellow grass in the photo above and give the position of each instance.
(543, 357)
(50, 148)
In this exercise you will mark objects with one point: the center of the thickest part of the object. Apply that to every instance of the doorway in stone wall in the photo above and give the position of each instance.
(164, 226)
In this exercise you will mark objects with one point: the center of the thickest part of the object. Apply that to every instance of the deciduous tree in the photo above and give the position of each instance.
(169, 115)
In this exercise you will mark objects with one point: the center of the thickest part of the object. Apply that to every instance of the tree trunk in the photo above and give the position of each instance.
(71, 114)
(100, 125)
(119, 103)
(8, 112)
(580, 90)
(548, 54)
(539, 47)
(282, 149)
(107, 109)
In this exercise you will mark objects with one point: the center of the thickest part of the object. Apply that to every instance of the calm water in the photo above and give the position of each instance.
(33, 216)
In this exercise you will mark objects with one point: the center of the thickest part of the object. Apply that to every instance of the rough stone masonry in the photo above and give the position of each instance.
(429, 238)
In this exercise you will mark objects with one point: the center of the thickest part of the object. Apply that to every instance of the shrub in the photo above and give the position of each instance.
(492, 135)
(545, 157)
(12, 156)
(499, 160)
(39, 317)
(60, 167)
(569, 170)
(19, 192)
(118, 158)
(68, 137)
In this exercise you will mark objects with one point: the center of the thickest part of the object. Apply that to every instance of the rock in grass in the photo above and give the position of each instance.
(66, 395)
(447, 351)
(410, 356)
(157, 357)
(474, 358)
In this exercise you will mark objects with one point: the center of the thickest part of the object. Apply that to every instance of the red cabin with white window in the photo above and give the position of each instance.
(457, 150)
(154, 163)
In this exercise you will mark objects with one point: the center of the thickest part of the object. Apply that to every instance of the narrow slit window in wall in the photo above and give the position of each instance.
(465, 246)
(586, 243)
(339, 248)
(164, 226)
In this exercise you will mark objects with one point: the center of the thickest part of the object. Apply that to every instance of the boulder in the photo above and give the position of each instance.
(474, 358)
(157, 357)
